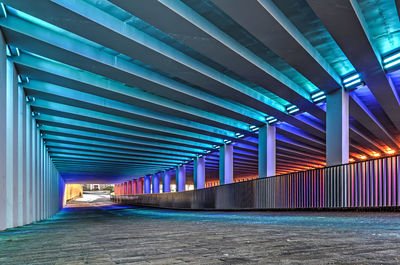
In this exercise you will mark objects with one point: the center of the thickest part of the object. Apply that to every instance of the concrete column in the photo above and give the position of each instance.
(156, 183)
(199, 173)
(4, 123)
(166, 178)
(22, 179)
(134, 186)
(12, 146)
(267, 151)
(337, 128)
(140, 185)
(226, 164)
(34, 176)
(180, 178)
(28, 165)
(147, 182)
(130, 187)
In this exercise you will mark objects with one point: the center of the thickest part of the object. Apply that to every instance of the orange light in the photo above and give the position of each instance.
(376, 154)
(389, 151)
(363, 157)
(351, 160)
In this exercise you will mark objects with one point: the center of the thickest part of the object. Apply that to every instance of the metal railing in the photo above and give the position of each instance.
(372, 183)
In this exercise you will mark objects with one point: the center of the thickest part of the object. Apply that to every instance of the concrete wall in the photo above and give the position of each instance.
(29, 182)
(72, 192)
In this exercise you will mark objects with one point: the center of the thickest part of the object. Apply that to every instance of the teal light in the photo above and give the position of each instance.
(319, 96)
(292, 109)
(391, 64)
(239, 135)
(357, 81)
(271, 119)
(3, 10)
(392, 60)
(352, 80)
(391, 57)
(253, 128)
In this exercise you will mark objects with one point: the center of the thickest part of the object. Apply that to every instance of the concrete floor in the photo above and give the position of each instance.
(94, 231)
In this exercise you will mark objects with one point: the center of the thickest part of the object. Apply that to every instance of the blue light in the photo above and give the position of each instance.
(252, 127)
(272, 121)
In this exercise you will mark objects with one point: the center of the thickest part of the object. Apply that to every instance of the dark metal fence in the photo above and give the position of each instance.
(373, 183)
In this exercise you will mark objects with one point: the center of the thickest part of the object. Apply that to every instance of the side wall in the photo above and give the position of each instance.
(374, 183)
(72, 192)
(29, 182)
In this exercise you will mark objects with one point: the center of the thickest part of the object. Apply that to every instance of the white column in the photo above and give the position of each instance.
(12, 86)
(226, 164)
(199, 173)
(267, 151)
(28, 164)
(4, 106)
(21, 157)
(337, 128)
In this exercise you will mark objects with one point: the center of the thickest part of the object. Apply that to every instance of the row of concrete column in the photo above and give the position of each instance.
(337, 145)
(29, 182)
(142, 185)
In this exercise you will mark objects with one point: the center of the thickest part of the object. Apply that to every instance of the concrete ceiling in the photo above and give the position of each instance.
(128, 88)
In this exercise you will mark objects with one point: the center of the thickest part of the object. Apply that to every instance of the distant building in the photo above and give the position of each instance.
(92, 187)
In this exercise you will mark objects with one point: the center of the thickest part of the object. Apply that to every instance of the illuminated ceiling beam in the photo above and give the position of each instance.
(120, 123)
(94, 80)
(96, 55)
(126, 139)
(215, 44)
(112, 23)
(361, 113)
(95, 153)
(52, 139)
(107, 105)
(110, 150)
(359, 49)
(247, 95)
(94, 157)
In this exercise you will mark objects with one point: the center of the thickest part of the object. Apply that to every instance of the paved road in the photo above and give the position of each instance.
(105, 233)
